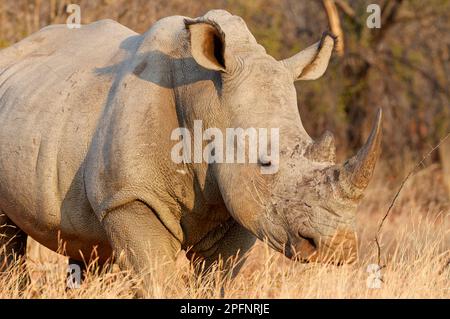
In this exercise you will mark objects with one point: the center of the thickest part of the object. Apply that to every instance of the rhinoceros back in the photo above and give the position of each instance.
(53, 87)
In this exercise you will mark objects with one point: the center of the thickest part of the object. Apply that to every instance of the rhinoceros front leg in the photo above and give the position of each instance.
(13, 243)
(140, 242)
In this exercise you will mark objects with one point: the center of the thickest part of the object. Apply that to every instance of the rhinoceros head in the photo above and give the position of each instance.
(306, 206)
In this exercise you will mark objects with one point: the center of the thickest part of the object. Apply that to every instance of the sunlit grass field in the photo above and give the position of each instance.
(415, 247)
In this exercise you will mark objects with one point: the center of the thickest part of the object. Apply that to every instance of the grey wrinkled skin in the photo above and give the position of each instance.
(86, 117)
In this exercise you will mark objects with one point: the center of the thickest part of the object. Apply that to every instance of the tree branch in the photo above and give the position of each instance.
(335, 25)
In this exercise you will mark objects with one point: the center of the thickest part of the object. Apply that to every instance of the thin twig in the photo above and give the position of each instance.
(380, 226)
(346, 8)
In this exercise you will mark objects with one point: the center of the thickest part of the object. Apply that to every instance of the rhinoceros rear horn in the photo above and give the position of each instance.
(358, 171)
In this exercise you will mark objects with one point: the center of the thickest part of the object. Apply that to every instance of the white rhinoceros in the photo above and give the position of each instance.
(86, 117)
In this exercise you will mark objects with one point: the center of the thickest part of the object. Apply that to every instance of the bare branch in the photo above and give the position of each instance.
(335, 24)
(418, 165)
(346, 8)
(389, 14)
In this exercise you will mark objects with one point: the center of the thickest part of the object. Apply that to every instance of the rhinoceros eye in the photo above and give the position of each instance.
(265, 161)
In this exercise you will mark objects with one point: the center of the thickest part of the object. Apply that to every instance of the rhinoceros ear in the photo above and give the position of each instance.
(207, 44)
(311, 63)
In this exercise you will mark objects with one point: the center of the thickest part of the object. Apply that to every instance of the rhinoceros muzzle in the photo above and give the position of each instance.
(321, 223)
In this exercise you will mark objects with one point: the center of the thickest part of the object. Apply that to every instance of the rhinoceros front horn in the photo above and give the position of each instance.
(358, 170)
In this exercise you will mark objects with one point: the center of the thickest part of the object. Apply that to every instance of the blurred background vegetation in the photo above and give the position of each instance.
(402, 67)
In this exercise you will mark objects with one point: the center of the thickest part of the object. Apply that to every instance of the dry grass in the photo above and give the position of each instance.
(415, 250)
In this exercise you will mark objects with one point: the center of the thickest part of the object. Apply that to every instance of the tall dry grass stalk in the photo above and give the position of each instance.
(416, 250)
